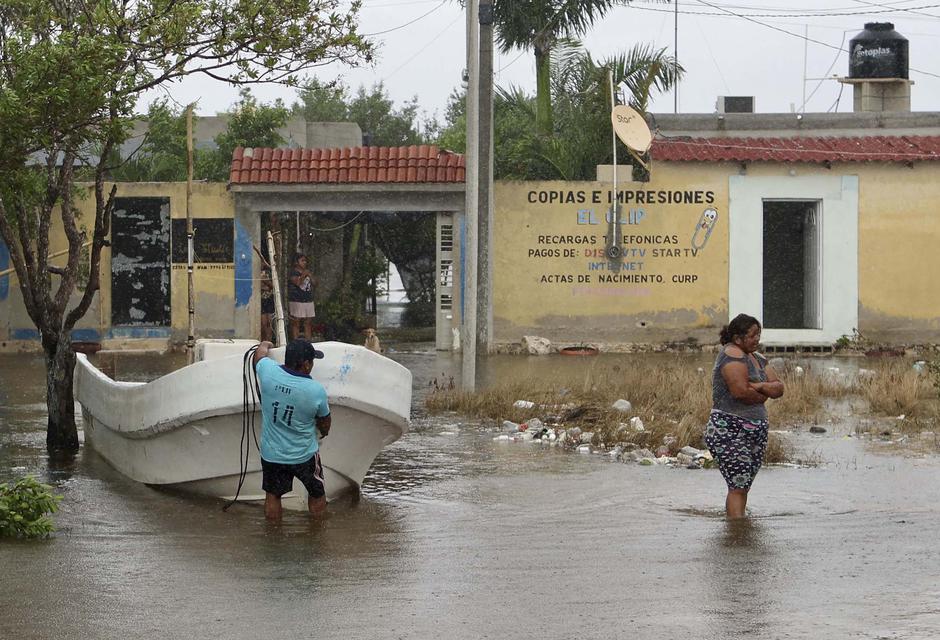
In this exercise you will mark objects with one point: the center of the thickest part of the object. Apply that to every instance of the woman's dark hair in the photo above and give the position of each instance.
(298, 256)
(739, 326)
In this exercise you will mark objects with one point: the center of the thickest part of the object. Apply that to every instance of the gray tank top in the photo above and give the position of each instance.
(722, 400)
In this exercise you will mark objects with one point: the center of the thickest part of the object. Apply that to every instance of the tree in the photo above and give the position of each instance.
(161, 156)
(249, 125)
(581, 87)
(71, 75)
(405, 239)
(373, 110)
(323, 102)
(385, 125)
(452, 133)
(582, 136)
(538, 24)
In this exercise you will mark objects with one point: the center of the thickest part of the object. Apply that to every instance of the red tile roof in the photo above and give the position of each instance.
(815, 150)
(415, 164)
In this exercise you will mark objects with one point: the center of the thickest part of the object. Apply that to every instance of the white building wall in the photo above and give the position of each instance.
(839, 251)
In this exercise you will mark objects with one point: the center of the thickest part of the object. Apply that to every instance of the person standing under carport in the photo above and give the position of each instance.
(300, 298)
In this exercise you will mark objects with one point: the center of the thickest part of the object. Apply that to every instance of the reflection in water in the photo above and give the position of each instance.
(737, 579)
(741, 533)
(61, 466)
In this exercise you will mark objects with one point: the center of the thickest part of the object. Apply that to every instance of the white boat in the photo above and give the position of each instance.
(185, 430)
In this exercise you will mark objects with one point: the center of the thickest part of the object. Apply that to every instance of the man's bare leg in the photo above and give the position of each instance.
(272, 507)
(317, 506)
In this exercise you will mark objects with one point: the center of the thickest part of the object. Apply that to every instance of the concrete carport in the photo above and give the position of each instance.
(417, 178)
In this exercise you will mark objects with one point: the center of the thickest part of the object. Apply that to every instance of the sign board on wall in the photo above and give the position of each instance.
(561, 260)
(213, 240)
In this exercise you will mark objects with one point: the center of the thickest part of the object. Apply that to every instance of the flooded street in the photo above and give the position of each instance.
(458, 536)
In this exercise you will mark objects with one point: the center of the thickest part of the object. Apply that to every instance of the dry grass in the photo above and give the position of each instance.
(779, 450)
(673, 400)
(805, 397)
(896, 388)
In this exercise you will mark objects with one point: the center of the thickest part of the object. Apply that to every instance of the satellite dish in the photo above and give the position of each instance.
(631, 128)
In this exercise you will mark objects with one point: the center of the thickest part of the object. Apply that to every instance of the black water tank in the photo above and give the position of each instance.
(878, 52)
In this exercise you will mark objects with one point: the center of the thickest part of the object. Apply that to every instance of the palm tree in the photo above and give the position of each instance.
(643, 70)
(539, 24)
(581, 91)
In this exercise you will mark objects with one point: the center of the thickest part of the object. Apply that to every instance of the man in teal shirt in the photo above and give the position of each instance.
(293, 409)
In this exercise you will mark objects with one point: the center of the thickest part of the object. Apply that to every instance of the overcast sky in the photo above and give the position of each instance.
(728, 47)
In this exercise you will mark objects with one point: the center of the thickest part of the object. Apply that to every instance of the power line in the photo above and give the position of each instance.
(409, 23)
(825, 75)
(512, 62)
(712, 14)
(422, 49)
(797, 10)
(831, 14)
(791, 33)
(381, 5)
(913, 10)
(712, 54)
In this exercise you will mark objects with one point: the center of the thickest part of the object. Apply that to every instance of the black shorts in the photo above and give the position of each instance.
(277, 478)
(267, 305)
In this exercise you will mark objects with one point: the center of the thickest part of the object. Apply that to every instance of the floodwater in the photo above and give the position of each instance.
(458, 536)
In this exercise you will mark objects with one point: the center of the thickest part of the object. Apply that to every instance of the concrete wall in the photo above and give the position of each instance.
(297, 132)
(333, 134)
(750, 125)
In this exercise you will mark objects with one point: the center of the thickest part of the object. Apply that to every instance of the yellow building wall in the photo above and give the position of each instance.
(552, 277)
(899, 232)
(898, 236)
(554, 289)
(214, 283)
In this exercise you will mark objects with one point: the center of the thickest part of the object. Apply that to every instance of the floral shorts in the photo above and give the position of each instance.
(738, 446)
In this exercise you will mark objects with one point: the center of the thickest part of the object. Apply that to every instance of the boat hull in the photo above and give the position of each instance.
(187, 431)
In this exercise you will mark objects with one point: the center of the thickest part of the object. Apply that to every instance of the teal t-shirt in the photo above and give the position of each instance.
(290, 404)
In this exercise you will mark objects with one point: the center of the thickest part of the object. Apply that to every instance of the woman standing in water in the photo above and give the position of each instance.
(736, 433)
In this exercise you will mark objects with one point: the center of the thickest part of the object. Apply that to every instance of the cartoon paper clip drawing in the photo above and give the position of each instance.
(704, 228)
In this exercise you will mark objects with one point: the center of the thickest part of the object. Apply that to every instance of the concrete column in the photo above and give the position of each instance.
(247, 313)
(469, 237)
(485, 183)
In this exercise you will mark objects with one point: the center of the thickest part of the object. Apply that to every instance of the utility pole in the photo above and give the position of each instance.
(468, 314)
(675, 55)
(191, 339)
(485, 179)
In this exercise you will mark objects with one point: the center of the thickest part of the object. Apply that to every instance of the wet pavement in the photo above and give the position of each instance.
(458, 536)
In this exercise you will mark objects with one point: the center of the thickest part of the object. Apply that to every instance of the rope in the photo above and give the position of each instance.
(249, 388)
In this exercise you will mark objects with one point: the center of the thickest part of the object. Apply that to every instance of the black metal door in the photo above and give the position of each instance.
(140, 262)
